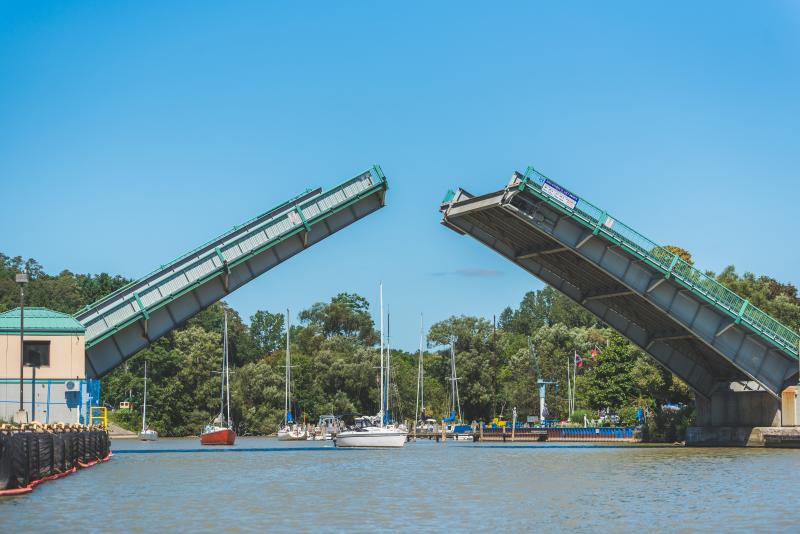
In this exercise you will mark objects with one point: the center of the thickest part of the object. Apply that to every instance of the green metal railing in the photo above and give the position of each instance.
(601, 223)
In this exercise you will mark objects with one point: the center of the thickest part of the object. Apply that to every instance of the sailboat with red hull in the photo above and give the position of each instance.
(220, 431)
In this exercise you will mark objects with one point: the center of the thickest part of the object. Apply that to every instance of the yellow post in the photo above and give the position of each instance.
(444, 432)
(98, 413)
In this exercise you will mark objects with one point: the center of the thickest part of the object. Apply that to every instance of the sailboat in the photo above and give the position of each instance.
(454, 423)
(220, 431)
(147, 434)
(290, 431)
(420, 422)
(374, 431)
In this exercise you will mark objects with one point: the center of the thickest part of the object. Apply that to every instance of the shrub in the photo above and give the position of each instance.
(577, 416)
(627, 416)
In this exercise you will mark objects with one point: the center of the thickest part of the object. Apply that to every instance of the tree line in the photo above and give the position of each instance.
(335, 359)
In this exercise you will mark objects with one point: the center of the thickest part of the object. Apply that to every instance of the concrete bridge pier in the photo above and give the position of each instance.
(743, 413)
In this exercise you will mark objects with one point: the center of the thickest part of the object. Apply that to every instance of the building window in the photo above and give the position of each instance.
(36, 354)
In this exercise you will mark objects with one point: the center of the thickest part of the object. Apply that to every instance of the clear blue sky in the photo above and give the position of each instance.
(138, 132)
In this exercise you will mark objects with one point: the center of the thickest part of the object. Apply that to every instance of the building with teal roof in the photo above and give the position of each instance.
(55, 388)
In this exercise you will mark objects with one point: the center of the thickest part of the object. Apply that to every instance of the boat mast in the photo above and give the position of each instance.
(144, 410)
(222, 382)
(455, 404)
(388, 362)
(420, 386)
(227, 372)
(288, 376)
(452, 376)
(381, 413)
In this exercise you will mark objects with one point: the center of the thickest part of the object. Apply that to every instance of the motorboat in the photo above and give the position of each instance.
(325, 429)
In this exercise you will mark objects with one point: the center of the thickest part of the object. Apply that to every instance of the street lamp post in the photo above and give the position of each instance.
(21, 279)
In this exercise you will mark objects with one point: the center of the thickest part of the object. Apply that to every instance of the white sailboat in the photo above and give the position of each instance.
(373, 431)
(290, 431)
(419, 423)
(147, 434)
(454, 424)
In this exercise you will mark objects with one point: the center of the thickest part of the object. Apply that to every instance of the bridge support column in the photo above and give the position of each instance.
(739, 414)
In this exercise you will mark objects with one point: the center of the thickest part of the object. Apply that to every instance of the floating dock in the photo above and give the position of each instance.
(558, 434)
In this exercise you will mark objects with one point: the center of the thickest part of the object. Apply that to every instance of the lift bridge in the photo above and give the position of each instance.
(129, 319)
(736, 357)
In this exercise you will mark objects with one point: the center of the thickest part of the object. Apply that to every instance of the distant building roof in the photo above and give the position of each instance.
(40, 321)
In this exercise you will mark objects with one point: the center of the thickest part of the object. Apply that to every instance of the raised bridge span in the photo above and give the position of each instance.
(716, 341)
(126, 321)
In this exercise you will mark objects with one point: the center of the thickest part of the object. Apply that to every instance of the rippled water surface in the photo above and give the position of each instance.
(264, 485)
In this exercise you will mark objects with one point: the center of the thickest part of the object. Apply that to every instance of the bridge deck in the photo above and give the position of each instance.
(127, 320)
(688, 321)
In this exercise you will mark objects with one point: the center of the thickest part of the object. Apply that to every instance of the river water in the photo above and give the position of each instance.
(262, 485)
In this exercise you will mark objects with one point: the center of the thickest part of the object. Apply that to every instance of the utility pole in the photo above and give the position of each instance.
(21, 279)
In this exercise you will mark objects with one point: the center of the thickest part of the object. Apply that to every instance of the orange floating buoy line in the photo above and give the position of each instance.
(33, 453)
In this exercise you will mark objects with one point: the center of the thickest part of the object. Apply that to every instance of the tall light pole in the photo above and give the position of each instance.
(21, 279)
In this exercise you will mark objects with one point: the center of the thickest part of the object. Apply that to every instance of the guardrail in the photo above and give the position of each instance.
(602, 223)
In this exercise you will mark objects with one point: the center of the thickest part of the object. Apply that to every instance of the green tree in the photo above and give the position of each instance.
(682, 253)
(544, 307)
(347, 314)
(267, 330)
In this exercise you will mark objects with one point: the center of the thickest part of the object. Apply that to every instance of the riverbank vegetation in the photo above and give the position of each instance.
(335, 357)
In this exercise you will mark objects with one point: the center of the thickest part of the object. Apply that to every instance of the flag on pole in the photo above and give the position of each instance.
(578, 359)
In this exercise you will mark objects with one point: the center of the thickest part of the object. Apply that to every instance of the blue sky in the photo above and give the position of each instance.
(138, 132)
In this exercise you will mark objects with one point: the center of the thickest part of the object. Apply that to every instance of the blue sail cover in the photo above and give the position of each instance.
(289, 419)
(451, 418)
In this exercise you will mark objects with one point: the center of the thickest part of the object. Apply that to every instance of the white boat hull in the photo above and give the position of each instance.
(148, 435)
(291, 435)
(376, 439)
